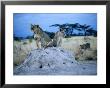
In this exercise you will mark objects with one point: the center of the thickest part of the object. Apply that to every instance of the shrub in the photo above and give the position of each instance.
(24, 43)
(30, 40)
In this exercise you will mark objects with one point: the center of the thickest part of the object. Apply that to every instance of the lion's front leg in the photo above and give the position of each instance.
(59, 41)
(38, 43)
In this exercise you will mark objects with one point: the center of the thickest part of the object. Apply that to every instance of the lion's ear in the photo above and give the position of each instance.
(37, 26)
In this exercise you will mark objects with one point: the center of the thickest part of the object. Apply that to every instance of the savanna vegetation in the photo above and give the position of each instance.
(73, 41)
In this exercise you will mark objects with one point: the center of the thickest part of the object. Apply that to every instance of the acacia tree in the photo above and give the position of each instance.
(61, 26)
(74, 27)
(69, 28)
(84, 28)
(91, 31)
(58, 25)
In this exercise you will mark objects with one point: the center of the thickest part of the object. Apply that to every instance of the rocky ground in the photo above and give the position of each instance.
(54, 61)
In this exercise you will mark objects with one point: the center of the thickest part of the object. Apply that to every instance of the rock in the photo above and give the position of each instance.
(51, 61)
(46, 59)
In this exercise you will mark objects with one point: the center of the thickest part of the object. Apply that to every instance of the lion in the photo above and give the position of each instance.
(40, 36)
(59, 35)
(43, 40)
(57, 40)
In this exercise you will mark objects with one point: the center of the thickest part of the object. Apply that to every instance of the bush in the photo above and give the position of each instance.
(24, 43)
(67, 36)
(89, 58)
(17, 39)
(30, 40)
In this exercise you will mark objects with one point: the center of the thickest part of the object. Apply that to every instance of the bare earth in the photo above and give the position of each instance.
(54, 61)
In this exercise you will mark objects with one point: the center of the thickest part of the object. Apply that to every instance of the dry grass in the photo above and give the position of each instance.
(21, 49)
(73, 44)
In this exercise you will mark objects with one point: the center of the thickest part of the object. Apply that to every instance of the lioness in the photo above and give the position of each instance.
(43, 40)
(59, 35)
(57, 40)
(40, 36)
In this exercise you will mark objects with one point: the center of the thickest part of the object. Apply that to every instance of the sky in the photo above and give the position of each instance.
(22, 21)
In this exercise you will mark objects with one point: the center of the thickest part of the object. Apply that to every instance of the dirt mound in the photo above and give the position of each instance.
(49, 61)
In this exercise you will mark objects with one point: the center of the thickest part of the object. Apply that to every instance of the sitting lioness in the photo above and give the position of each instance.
(57, 40)
(59, 35)
(42, 39)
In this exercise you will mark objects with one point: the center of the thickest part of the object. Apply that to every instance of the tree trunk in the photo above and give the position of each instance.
(84, 32)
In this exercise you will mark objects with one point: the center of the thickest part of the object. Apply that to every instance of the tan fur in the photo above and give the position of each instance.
(43, 40)
(41, 37)
(58, 38)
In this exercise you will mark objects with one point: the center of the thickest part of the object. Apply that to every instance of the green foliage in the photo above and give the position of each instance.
(24, 43)
(17, 39)
(67, 36)
(29, 37)
(30, 40)
(69, 29)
